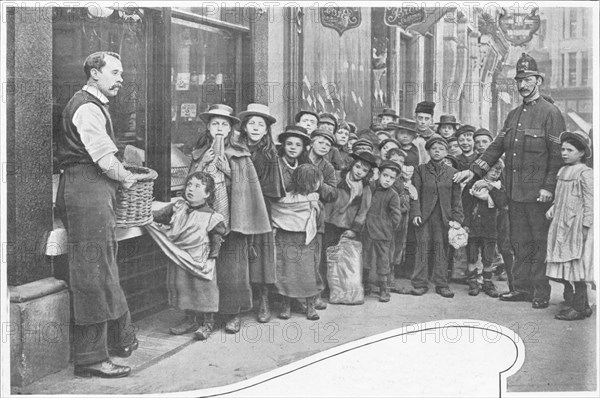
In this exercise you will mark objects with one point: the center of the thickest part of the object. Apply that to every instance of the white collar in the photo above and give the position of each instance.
(96, 93)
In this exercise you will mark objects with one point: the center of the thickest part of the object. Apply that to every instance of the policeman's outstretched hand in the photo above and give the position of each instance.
(463, 176)
(545, 196)
(417, 221)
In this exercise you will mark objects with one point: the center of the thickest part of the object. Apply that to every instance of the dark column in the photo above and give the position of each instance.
(259, 38)
(29, 143)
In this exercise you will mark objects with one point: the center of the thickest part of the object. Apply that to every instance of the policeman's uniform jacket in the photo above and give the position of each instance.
(530, 140)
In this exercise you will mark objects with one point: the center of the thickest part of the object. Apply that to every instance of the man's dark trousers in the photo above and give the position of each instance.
(529, 238)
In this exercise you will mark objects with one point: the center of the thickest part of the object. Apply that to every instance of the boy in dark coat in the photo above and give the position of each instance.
(437, 208)
(383, 219)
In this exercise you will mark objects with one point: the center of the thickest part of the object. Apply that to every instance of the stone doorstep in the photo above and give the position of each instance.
(156, 344)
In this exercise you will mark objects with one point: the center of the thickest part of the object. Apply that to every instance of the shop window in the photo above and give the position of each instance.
(78, 32)
(205, 70)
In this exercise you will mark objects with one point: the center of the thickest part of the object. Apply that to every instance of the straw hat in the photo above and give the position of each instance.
(258, 110)
(221, 110)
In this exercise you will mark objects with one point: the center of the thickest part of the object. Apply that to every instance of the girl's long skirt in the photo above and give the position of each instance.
(235, 293)
(297, 265)
(187, 292)
(262, 258)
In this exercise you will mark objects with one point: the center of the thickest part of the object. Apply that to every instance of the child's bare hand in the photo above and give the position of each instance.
(222, 163)
(349, 234)
(550, 213)
(209, 156)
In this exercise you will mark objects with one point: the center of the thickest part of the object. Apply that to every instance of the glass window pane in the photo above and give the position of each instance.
(203, 73)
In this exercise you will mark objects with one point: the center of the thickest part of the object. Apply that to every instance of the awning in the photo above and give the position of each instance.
(582, 124)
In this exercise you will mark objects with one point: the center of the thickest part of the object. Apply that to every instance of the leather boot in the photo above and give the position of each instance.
(264, 312)
(473, 287)
(189, 325)
(320, 304)
(488, 286)
(207, 327)
(286, 308)
(384, 292)
(311, 313)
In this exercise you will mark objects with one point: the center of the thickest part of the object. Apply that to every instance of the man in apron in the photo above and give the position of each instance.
(87, 153)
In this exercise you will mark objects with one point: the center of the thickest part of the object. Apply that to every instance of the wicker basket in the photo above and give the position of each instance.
(134, 205)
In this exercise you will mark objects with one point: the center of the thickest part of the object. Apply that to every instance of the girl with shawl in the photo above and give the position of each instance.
(255, 133)
(296, 219)
(569, 255)
(246, 209)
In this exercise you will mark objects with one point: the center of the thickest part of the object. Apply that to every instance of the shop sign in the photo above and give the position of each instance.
(340, 19)
(519, 28)
(404, 17)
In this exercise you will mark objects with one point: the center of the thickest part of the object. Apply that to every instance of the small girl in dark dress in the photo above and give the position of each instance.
(296, 220)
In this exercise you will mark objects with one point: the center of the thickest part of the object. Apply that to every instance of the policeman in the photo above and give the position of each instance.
(529, 140)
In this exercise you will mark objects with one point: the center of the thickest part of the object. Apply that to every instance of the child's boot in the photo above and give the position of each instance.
(311, 313)
(320, 304)
(189, 324)
(286, 308)
(384, 291)
(207, 327)
(473, 283)
(488, 286)
(264, 313)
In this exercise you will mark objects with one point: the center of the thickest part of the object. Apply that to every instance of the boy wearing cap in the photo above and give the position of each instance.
(406, 191)
(307, 119)
(322, 141)
(453, 148)
(329, 122)
(437, 209)
(362, 144)
(466, 143)
(406, 136)
(386, 145)
(383, 219)
(346, 216)
(482, 138)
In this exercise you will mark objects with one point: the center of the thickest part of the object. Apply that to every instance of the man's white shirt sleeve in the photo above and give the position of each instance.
(91, 125)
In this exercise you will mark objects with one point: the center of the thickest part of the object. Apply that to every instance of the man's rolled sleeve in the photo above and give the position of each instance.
(90, 123)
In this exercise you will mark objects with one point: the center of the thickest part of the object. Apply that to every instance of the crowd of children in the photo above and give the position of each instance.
(256, 217)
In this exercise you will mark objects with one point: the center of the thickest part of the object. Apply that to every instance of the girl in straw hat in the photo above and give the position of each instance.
(255, 133)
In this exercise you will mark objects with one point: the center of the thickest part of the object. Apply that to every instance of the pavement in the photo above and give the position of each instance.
(559, 356)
